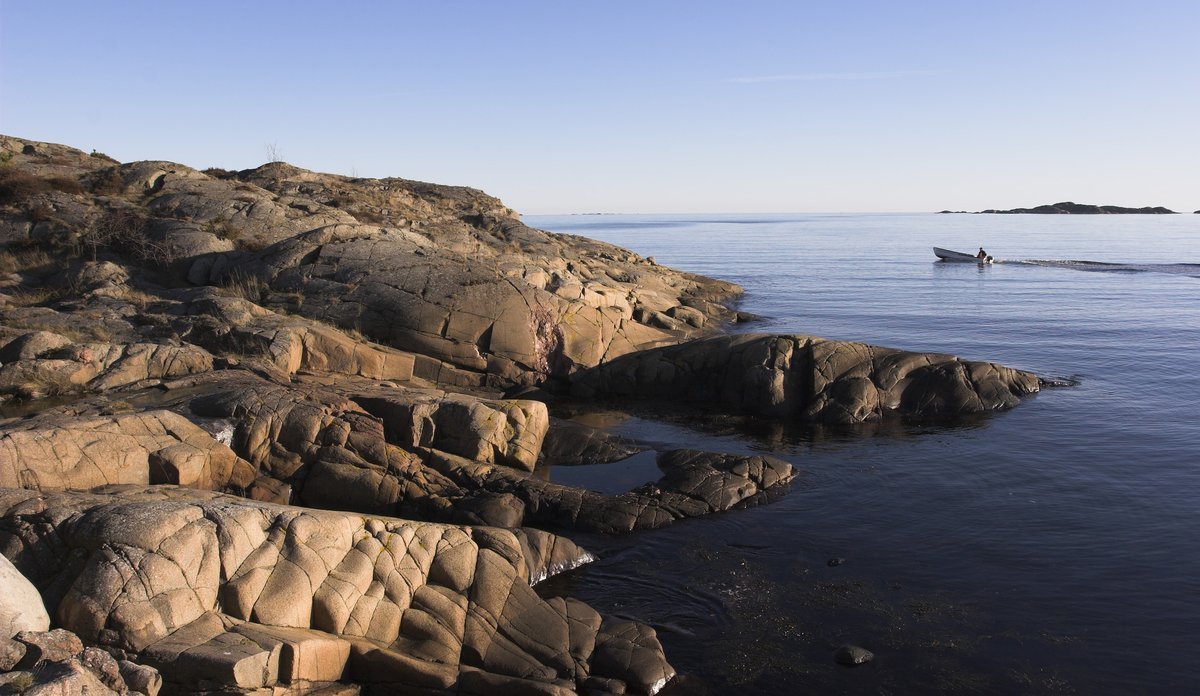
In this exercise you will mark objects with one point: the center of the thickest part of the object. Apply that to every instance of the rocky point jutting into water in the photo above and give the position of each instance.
(258, 429)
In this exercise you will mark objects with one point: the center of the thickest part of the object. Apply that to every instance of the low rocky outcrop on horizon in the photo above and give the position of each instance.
(261, 430)
(1069, 208)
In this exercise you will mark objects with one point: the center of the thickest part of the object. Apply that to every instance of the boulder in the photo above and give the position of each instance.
(852, 655)
(502, 312)
(21, 607)
(32, 345)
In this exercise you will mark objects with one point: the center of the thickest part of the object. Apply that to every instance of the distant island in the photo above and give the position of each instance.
(1069, 208)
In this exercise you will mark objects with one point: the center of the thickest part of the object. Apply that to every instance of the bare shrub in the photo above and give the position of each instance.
(42, 212)
(102, 156)
(218, 173)
(107, 182)
(78, 332)
(125, 231)
(17, 186)
(368, 216)
(66, 184)
(43, 383)
(139, 298)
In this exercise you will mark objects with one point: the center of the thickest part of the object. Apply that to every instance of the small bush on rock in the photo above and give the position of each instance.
(17, 186)
(66, 184)
(124, 231)
(102, 156)
(108, 183)
(218, 173)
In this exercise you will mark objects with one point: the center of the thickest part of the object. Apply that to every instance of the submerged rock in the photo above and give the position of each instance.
(852, 655)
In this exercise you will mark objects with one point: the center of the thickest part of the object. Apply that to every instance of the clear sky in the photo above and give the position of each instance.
(637, 106)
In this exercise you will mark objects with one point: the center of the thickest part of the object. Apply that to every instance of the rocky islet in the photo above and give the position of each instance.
(257, 438)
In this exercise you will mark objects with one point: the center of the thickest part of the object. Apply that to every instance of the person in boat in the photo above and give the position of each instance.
(982, 254)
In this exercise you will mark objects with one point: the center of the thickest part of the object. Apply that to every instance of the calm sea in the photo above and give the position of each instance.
(1054, 548)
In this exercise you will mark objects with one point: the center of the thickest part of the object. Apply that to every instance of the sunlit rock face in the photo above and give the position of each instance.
(211, 588)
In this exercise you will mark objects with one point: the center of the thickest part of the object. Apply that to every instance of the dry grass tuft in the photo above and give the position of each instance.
(138, 298)
(246, 286)
(45, 383)
(24, 260)
(79, 332)
(34, 297)
(251, 243)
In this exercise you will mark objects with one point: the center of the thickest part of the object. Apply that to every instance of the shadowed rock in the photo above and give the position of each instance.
(693, 484)
(369, 452)
(568, 443)
(809, 378)
(56, 662)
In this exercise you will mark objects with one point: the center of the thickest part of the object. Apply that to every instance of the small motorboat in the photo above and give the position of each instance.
(960, 257)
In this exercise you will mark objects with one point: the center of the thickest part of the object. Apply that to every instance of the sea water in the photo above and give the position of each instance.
(1053, 548)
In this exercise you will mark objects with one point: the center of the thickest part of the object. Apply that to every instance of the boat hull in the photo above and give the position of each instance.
(959, 257)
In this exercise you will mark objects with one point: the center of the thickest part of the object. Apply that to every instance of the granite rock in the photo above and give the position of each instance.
(21, 607)
(215, 589)
(810, 379)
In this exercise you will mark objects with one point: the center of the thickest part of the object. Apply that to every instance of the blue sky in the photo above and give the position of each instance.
(571, 106)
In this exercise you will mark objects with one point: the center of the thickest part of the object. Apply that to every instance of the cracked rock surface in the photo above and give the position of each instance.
(206, 586)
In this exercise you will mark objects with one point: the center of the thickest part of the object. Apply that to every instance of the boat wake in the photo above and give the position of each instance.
(1187, 269)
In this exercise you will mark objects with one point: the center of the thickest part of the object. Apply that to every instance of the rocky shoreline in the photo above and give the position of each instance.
(280, 431)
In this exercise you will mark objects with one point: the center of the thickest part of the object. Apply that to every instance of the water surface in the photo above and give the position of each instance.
(1054, 548)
